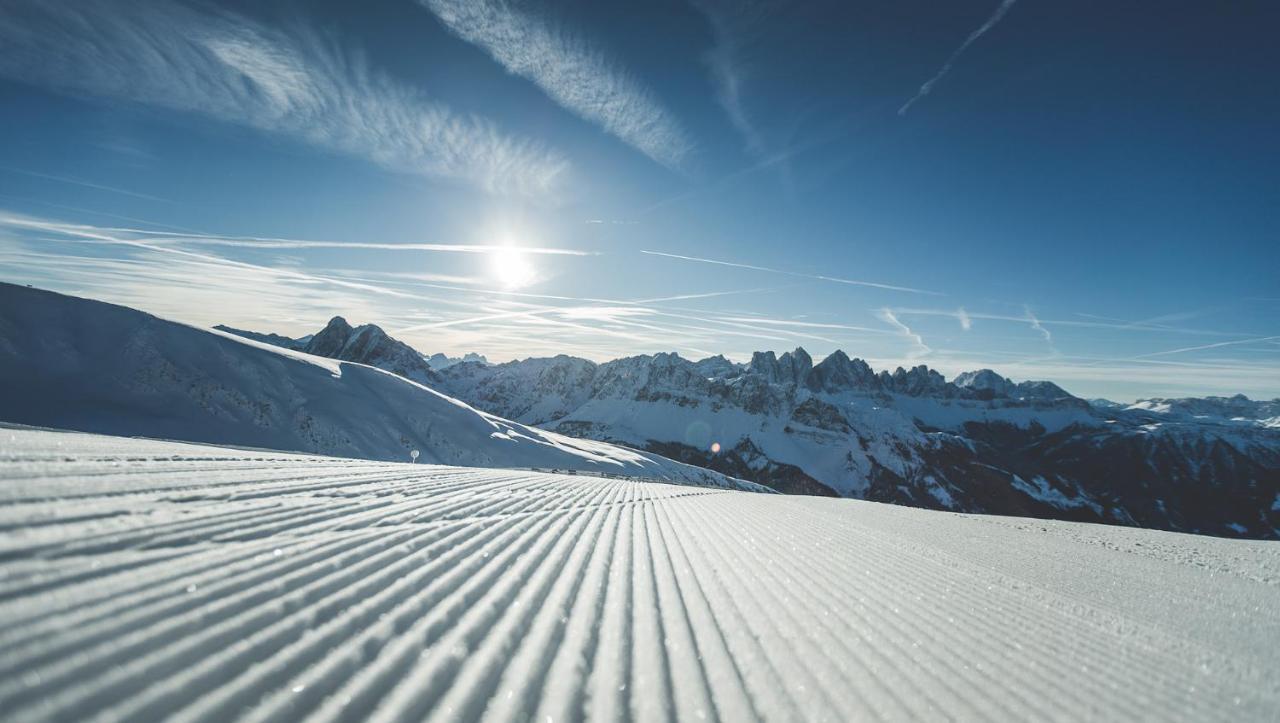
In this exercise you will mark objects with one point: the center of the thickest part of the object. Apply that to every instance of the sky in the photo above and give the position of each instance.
(1087, 192)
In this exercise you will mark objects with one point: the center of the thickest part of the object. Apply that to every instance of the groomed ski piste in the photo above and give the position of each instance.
(145, 580)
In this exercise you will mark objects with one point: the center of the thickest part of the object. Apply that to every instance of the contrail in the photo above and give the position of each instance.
(946, 67)
(784, 272)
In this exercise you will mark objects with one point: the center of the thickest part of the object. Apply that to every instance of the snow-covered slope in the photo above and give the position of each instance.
(144, 580)
(78, 364)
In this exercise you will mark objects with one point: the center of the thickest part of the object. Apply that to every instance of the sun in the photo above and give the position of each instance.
(511, 267)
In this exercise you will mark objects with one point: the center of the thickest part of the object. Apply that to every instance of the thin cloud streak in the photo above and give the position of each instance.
(1208, 346)
(570, 71)
(85, 184)
(927, 88)
(784, 272)
(804, 324)
(921, 348)
(1059, 322)
(365, 246)
(295, 84)
(201, 239)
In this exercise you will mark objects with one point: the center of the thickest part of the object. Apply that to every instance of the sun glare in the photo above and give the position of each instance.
(511, 267)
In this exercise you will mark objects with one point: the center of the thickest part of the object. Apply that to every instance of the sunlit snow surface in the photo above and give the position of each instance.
(143, 580)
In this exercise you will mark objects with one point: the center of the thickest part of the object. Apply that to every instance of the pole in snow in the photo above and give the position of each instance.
(413, 456)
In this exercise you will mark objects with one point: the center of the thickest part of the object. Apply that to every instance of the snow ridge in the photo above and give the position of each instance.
(78, 364)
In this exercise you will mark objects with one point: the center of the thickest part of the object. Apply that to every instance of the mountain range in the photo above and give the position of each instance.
(978, 443)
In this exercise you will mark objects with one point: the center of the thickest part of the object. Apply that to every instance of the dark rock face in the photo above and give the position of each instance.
(840, 373)
(331, 340)
(1203, 481)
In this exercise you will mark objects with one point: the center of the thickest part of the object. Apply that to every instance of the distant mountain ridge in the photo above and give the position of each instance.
(440, 361)
(977, 443)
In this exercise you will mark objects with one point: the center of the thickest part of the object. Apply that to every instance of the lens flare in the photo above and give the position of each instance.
(511, 267)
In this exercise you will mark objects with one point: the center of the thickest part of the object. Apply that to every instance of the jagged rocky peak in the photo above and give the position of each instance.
(331, 339)
(919, 381)
(838, 372)
(717, 367)
(795, 366)
(369, 344)
(764, 363)
(439, 361)
(792, 367)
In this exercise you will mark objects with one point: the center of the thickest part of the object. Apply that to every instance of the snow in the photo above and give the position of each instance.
(142, 580)
(78, 364)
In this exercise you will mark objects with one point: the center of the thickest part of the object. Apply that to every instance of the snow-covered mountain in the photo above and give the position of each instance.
(365, 344)
(1217, 409)
(977, 443)
(78, 364)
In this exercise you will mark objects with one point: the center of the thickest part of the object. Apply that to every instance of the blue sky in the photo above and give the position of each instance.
(1074, 191)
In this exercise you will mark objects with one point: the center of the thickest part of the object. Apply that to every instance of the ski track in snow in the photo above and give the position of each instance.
(142, 580)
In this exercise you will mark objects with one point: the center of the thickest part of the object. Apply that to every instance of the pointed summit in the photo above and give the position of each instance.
(792, 367)
(330, 340)
(369, 344)
(839, 373)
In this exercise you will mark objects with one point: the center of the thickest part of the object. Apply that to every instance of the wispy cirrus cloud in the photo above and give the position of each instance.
(573, 73)
(297, 84)
(927, 88)
(735, 26)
